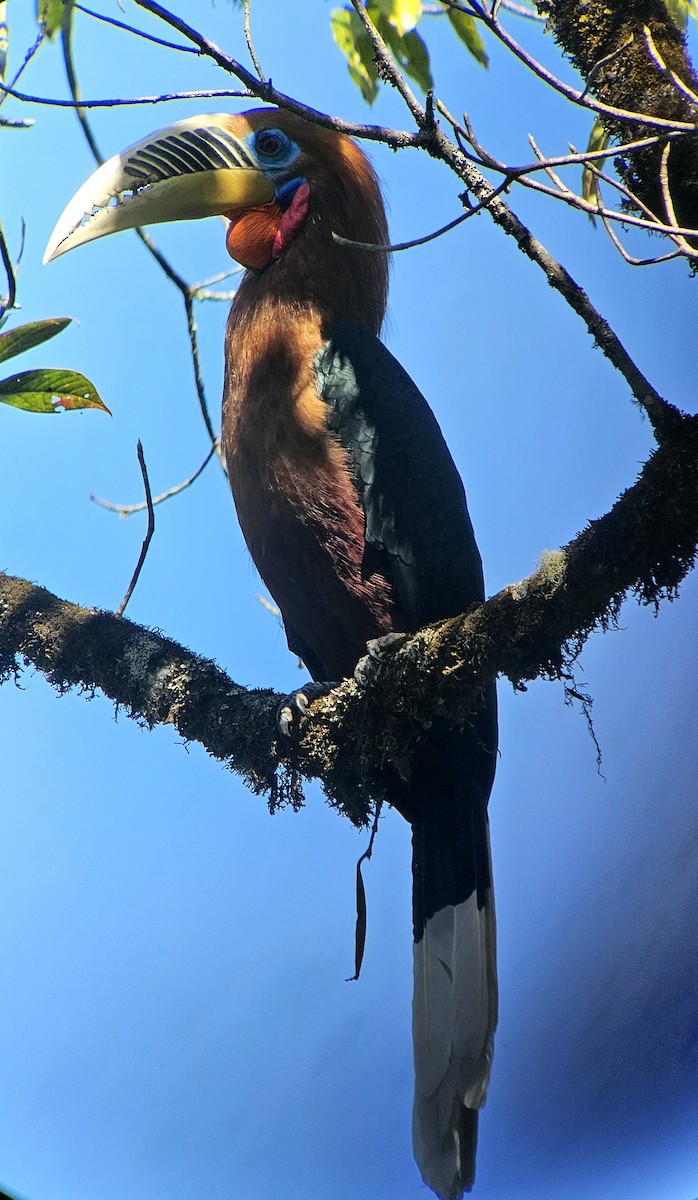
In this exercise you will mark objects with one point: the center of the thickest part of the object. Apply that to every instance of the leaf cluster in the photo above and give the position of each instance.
(47, 390)
(396, 22)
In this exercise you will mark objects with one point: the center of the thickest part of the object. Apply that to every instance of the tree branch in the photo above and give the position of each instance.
(653, 76)
(644, 546)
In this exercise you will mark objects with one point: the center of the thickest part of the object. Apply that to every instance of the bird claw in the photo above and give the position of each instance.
(295, 706)
(369, 667)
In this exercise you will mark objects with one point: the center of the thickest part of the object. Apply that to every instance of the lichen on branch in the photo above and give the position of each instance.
(644, 546)
(608, 44)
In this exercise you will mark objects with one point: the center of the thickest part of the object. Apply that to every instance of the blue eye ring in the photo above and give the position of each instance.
(272, 146)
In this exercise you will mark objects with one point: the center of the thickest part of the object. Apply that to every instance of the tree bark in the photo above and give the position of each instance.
(645, 546)
(606, 41)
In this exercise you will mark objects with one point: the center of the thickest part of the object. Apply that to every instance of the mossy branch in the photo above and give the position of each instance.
(633, 57)
(644, 546)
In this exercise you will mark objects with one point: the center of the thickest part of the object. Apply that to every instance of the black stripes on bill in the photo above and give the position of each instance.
(187, 152)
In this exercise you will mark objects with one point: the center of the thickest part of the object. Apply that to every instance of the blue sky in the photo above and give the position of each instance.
(174, 1017)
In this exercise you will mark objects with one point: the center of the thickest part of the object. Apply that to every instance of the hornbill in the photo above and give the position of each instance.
(354, 514)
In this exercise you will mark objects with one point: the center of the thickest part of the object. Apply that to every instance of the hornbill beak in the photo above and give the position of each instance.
(199, 167)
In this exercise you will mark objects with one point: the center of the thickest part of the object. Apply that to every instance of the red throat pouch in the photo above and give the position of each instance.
(257, 235)
(251, 234)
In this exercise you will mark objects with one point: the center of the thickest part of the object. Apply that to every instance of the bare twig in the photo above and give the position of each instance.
(664, 70)
(198, 377)
(547, 167)
(128, 101)
(680, 240)
(604, 62)
(126, 510)
(148, 535)
(522, 175)
(475, 9)
(148, 37)
(629, 258)
(662, 415)
(429, 237)
(521, 10)
(266, 92)
(28, 57)
(198, 288)
(182, 286)
(250, 43)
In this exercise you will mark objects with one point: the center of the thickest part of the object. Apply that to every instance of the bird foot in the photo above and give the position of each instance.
(295, 706)
(369, 667)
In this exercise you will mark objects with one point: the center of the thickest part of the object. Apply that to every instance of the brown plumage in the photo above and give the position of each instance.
(291, 481)
(355, 515)
(356, 519)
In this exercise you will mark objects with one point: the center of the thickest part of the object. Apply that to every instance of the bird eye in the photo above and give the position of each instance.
(270, 143)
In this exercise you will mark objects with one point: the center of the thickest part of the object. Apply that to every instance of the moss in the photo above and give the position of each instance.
(590, 31)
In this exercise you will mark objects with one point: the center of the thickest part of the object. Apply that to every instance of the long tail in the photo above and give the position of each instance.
(455, 990)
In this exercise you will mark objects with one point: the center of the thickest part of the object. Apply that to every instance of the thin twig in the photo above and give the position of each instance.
(250, 43)
(663, 416)
(659, 62)
(268, 94)
(148, 535)
(198, 377)
(126, 510)
(207, 283)
(148, 37)
(28, 56)
(475, 9)
(546, 166)
(680, 240)
(629, 258)
(429, 237)
(522, 174)
(182, 286)
(482, 158)
(129, 101)
(604, 62)
(649, 223)
(521, 10)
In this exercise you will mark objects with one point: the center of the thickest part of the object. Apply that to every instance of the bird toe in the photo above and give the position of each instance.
(295, 706)
(369, 667)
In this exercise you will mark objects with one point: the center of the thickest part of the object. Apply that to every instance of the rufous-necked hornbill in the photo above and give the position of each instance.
(354, 514)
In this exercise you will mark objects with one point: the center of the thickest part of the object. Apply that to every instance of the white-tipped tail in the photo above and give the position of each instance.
(453, 1022)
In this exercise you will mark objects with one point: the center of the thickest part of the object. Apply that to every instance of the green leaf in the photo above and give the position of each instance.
(598, 140)
(24, 337)
(50, 391)
(409, 51)
(50, 12)
(468, 32)
(403, 15)
(416, 60)
(355, 44)
(681, 10)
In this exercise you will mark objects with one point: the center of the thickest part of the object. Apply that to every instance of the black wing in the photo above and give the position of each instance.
(416, 514)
